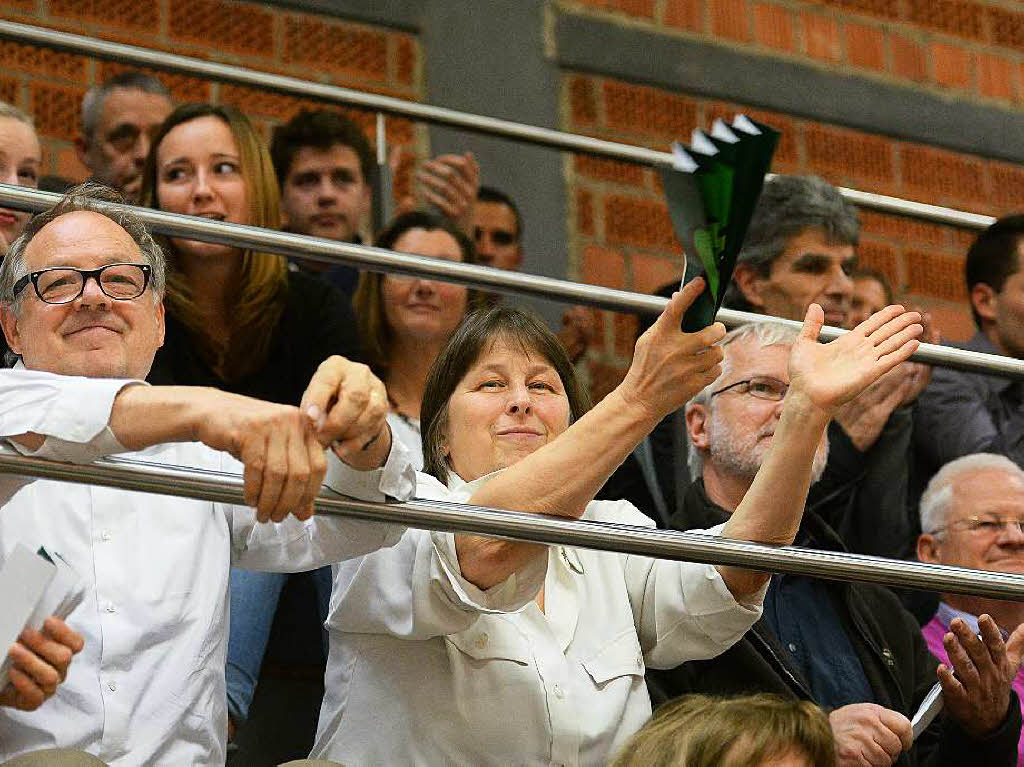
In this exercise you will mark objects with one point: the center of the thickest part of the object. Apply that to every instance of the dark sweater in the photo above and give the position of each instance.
(885, 637)
(317, 322)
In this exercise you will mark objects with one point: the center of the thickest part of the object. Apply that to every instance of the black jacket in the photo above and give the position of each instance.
(898, 666)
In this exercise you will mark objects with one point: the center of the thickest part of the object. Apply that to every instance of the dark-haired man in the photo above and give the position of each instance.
(497, 229)
(119, 117)
(325, 167)
(962, 413)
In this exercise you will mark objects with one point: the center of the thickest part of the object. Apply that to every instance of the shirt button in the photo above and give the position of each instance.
(792, 647)
(639, 661)
(559, 692)
(105, 536)
(110, 607)
(481, 641)
(112, 686)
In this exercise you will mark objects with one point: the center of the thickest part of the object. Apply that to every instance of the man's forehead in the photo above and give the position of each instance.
(987, 489)
(126, 104)
(82, 237)
(334, 155)
(748, 357)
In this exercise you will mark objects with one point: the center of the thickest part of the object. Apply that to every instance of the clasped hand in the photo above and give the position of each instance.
(283, 447)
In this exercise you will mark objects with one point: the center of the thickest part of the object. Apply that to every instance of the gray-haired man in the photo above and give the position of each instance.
(118, 118)
(80, 302)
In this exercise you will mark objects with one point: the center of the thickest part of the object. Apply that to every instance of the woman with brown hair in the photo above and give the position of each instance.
(465, 649)
(240, 321)
(404, 322)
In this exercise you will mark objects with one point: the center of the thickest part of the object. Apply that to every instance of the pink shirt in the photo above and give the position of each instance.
(938, 627)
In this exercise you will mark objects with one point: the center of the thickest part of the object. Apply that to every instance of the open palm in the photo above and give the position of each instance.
(832, 374)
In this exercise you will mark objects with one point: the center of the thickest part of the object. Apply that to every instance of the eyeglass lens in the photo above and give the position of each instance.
(118, 281)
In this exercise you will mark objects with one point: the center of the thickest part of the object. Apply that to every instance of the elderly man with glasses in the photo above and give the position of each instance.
(973, 513)
(81, 304)
(851, 648)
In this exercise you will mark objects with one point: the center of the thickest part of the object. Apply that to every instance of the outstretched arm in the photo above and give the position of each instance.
(822, 378)
(563, 476)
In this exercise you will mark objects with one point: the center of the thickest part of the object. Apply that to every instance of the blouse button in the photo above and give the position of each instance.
(559, 693)
(105, 535)
(112, 686)
(481, 640)
(792, 647)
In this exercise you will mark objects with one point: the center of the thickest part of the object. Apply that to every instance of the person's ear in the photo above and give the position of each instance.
(82, 149)
(697, 417)
(161, 327)
(928, 549)
(9, 322)
(750, 284)
(983, 300)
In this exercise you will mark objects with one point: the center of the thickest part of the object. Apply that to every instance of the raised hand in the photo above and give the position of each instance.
(348, 405)
(869, 735)
(830, 375)
(670, 366)
(978, 696)
(450, 183)
(39, 662)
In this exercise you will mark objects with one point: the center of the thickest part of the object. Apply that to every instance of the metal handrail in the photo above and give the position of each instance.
(387, 261)
(532, 134)
(456, 517)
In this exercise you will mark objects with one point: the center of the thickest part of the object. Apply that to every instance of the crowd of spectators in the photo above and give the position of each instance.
(439, 648)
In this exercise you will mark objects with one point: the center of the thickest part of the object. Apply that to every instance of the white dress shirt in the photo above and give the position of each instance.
(427, 669)
(148, 688)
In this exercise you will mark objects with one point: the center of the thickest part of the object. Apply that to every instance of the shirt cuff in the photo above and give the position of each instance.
(396, 479)
(511, 595)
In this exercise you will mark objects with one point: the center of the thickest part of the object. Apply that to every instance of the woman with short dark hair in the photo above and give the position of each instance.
(463, 649)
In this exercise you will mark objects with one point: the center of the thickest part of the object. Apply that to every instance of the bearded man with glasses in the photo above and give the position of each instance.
(850, 648)
(972, 512)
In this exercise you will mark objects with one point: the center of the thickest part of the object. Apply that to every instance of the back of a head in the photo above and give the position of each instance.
(319, 129)
(749, 731)
(994, 256)
(789, 206)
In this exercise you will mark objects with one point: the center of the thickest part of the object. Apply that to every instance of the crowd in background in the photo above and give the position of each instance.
(462, 650)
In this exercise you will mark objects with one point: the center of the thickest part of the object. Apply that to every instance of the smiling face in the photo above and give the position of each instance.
(325, 194)
(199, 173)
(20, 158)
(422, 310)
(507, 405)
(94, 335)
(810, 270)
(986, 493)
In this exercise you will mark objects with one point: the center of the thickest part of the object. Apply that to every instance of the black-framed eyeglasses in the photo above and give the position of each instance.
(64, 284)
(762, 387)
(987, 524)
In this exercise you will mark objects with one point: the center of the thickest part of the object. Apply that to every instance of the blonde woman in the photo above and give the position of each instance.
(20, 159)
(239, 320)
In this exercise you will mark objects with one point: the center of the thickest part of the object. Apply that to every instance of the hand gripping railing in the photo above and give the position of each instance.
(380, 260)
(532, 134)
(628, 539)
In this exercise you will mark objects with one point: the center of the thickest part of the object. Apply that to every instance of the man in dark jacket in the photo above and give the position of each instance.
(848, 647)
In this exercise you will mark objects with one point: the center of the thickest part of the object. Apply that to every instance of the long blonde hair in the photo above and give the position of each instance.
(259, 297)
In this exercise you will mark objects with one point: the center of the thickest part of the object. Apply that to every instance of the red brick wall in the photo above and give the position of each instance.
(620, 233)
(50, 85)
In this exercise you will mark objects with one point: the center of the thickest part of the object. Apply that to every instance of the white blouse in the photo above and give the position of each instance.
(426, 669)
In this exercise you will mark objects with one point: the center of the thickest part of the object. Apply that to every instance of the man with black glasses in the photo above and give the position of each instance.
(80, 302)
(850, 648)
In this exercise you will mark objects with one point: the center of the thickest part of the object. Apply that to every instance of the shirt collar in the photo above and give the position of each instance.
(982, 343)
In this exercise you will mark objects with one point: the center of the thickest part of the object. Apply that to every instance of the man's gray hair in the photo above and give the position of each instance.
(765, 334)
(937, 499)
(790, 205)
(12, 112)
(89, 196)
(92, 102)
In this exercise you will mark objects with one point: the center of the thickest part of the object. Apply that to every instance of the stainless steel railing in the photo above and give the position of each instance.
(628, 539)
(379, 260)
(532, 134)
